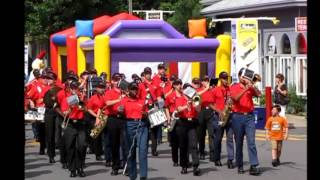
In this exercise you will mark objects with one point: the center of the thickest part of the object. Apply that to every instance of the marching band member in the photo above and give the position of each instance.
(221, 94)
(205, 123)
(170, 99)
(74, 134)
(95, 103)
(186, 129)
(60, 140)
(35, 96)
(115, 124)
(51, 114)
(148, 91)
(243, 121)
(136, 132)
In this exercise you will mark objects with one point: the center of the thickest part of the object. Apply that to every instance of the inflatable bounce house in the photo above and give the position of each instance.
(124, 43)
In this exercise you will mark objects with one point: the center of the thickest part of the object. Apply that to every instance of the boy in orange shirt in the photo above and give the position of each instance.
(276, 131)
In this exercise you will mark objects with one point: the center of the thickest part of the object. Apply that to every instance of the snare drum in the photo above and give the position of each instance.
(38, 115)
(156, 117)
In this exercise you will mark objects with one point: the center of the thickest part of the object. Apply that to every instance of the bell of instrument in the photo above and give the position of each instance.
(97, 129)
(196, 99)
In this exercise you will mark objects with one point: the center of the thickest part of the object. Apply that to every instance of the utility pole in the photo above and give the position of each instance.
(130, 6)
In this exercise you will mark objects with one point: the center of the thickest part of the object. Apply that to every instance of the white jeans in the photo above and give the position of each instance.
(283, 110)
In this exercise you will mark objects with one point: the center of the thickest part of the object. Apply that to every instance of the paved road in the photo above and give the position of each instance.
(160, 168)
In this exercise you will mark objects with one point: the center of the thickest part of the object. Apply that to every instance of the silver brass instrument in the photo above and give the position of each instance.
(97, 129)
(173, 121)
(192, 94)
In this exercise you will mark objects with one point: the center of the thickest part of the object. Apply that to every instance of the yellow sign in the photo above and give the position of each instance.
(247, 45)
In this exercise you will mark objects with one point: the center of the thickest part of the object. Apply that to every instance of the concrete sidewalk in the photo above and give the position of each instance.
(296, 121)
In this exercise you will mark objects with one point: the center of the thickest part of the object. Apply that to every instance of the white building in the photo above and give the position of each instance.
(282, 48)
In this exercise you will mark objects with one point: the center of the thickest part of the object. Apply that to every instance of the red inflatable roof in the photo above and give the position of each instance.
(100, 24)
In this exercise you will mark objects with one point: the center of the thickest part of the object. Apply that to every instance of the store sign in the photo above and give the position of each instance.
(247, 50)
(154, 15)
(301, 24)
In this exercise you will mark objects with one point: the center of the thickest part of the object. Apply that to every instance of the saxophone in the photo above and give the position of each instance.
(97, 129)
(226, 111)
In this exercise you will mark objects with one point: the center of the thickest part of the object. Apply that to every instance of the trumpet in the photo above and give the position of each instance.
(196, 99)
(256, 78)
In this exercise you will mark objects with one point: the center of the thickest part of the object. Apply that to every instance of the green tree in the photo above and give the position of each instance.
(44, 17)
(184, 10)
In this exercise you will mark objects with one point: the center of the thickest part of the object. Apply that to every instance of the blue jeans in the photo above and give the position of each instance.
(141, 142)
(218, 132)
(243, 125)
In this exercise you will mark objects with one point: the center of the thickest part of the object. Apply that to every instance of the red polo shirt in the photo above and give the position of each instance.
(62, 94)
(37, 92)
(95, 103)
(133, 108)
(156, 80)
(75, 114)
(207, 98)
(111, 95)
(219, 95)
(245, 103)
(182, 101)
(142, 92)
(170, 101)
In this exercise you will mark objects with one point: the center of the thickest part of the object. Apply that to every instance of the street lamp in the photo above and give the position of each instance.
(130, 6)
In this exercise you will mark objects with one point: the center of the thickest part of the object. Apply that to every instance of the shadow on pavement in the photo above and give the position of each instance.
(34, 166)
(207, 170)
(160, 178)
(265, 169)
(26, 161)
(164, 151)
(96, 171)
(33, 174)
(95, 163)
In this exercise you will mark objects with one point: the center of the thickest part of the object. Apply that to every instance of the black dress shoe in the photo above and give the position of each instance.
(114, 172)
(51, 160)
(108, 164)
(143, 178)
(278, 161)
(254, 170)
(202, 157)
(196, 171)
(99, 158)
(73, 174)
(41, 152)
(240, 170)
(155, 153)
(230, 164)
(126, 173)
(64, 166)
(175, 164)
(184, 171)
(217, 163)
(81, 173)
(274, 163)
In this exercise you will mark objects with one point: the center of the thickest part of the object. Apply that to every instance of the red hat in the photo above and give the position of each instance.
(41, 54)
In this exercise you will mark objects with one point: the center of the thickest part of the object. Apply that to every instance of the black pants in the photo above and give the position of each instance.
(75, 141)
(186, 132)
(116, 128)
(42, 134)
(58, 130)
(205, 123)
(94, 144)
(50, 124)
(154, 137)
(61, 140)
(174, 143)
